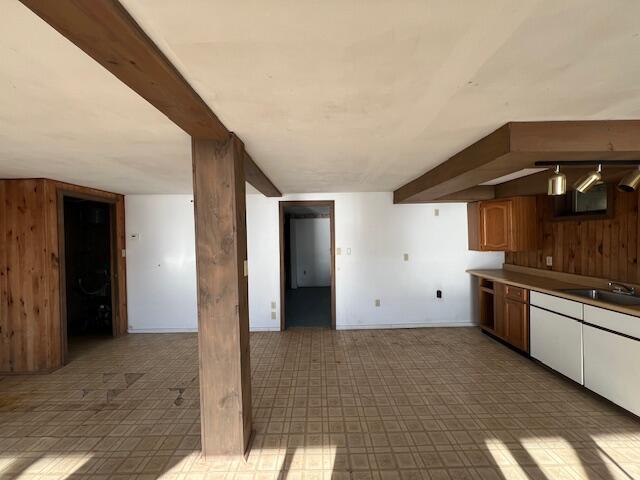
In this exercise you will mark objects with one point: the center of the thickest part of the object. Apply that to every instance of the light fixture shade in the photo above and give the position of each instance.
(557, 183)
(630, 181)
(588, 181)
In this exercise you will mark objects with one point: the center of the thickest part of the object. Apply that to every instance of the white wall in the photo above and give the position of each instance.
(312, 251)
(377, 233)
(161, 263)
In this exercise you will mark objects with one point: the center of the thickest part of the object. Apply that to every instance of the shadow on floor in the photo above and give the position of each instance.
(371, 405)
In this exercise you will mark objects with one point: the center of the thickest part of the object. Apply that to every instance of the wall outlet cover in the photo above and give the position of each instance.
(377, 302)
(436, 212)
(273, 315)
(549, 261)
(406, 257)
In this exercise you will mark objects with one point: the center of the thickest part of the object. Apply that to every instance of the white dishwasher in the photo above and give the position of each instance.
(556, 334)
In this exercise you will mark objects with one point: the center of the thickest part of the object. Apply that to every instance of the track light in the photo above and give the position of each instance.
(630, 181)
(557, 184)
(588, 181)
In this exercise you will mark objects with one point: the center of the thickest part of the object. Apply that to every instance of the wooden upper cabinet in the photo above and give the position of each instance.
(495, 225)
(504, 225)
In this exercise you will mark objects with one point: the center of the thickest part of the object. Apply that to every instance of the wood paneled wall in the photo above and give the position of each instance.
(604, 248)
(31, 330)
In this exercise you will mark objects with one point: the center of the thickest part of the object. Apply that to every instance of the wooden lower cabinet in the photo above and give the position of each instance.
(511, 315)
(516, 319)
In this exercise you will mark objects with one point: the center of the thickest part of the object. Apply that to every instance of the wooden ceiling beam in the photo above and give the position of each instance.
(105, 31)
(473, 194)
(258, 179)
(518, 145)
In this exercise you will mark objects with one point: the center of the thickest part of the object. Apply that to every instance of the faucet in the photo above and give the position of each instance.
(621, 288)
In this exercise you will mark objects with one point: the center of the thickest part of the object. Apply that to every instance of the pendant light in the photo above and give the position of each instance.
(630, 181)
(557, 183)
(588, 181)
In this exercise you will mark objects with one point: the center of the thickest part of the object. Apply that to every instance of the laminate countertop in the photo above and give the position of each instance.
(551, 286)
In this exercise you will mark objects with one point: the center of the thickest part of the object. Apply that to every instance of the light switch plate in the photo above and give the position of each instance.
(273, 305)
(377, 302)
(406, 257)
(338, 251)
(549, 261)
(436, 212)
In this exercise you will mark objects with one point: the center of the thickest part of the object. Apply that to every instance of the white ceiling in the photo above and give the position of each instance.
(339, 95)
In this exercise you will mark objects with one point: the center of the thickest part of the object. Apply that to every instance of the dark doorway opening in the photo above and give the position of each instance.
(307, 273)
(88, 270)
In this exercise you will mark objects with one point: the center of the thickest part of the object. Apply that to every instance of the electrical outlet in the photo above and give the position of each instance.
(436, 212)
(438, 293)
(273, 305)
(406, 257)
(549, 261)
(377, 302)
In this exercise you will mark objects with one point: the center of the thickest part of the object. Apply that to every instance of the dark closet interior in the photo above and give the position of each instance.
(88, 266)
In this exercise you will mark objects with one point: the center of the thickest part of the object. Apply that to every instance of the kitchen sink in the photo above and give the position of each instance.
(605, 296)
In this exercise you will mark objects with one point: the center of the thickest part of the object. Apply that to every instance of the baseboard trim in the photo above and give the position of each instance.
(193, 330)
(163, 330)
(374, 326)
(390, 326)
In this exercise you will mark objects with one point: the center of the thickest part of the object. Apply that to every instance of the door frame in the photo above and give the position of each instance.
(332, 230)
(115, 273)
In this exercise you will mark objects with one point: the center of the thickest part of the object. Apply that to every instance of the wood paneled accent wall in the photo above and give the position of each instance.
(605, 248)
(31, 330)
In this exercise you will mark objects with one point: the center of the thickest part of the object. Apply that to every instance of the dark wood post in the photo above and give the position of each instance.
(223, 312)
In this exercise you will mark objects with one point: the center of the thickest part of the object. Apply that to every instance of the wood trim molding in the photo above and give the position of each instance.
(518, 145)
(105, 31)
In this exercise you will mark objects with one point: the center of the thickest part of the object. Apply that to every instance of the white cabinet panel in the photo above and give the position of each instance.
(612, 367)
(618, 322)
(556, 304)
(556, 341)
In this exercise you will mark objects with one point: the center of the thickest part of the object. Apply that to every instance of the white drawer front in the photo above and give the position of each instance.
(612, 367)
(618, 322)
(556, 341)
(555, 304)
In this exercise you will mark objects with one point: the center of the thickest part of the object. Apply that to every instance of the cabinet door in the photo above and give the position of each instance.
(495, 225)
(556, 341)
(500, 328)
(516, 325)
(612, 367)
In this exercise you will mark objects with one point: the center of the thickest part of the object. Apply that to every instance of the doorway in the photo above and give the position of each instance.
(307, 264)
(88, 271)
